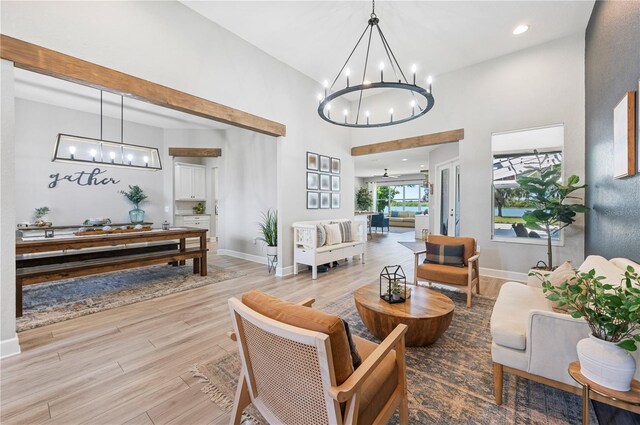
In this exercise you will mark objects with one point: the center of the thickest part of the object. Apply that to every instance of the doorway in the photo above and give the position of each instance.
(447, 199)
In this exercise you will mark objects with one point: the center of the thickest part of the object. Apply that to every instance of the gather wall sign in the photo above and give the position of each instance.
(83, 178)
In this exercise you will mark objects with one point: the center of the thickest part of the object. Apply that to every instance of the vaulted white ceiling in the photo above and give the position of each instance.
(316, 37)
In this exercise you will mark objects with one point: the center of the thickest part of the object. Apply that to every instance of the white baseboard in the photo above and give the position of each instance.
(242, 255)
(9, 347)
(503, 274)
(284, 271)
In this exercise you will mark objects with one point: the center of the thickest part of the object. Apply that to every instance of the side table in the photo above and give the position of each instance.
(628, 400)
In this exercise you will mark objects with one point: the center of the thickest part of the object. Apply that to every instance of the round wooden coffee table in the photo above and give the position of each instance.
(427, 314)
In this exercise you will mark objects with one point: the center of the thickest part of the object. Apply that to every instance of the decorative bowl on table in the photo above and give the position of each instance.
(97, 221)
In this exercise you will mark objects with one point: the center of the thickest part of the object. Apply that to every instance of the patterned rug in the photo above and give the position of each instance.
(48, 303)
(449, 382)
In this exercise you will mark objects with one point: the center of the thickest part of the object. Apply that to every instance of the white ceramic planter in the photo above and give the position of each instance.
(605, 363)
(272, 250)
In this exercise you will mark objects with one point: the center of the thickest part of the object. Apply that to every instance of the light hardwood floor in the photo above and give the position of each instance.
(130, 365)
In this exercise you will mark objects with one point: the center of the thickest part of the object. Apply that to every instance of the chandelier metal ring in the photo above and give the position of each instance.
(384, 84)
(397, 83)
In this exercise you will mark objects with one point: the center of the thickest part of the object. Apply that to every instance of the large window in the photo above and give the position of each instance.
(407, 197)
(518, 155)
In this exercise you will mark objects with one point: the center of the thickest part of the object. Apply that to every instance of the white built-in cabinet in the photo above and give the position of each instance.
(190, 182)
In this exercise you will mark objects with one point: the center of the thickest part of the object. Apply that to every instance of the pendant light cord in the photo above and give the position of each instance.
(121, 119)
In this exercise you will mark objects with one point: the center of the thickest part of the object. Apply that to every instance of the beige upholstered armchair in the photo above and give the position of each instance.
(468, 276)
(293, 373)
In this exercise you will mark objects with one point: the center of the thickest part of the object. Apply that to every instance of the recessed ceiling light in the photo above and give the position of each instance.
(404, 159)
(421, 165)
(520, 29)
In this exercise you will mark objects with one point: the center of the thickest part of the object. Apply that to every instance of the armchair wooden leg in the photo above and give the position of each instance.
(402, 377)
(469, 296)
(478, 287)
(243, 399)
(497, 382)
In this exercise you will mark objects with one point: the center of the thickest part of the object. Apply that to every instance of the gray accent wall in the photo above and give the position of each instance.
(612, 67)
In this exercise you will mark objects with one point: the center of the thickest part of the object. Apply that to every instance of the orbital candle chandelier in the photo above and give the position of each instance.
(419, 99)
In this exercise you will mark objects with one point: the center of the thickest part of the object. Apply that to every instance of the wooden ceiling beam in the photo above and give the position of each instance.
(410, 142)
(196, 152)
(55, 64)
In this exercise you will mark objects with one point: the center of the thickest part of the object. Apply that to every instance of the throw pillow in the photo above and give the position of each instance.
(394, 214)
(333, 234)
(560, 275)
(345, 230)
(355, 231)
(450, 255)
(355, 356)
(321, 235)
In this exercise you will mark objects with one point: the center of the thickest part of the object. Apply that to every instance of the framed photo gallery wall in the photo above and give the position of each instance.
(323, 181)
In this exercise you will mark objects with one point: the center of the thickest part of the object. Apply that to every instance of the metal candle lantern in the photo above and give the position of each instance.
(165, 225)
(393, 284)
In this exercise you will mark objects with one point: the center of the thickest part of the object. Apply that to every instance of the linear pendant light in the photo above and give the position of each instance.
(87, 150)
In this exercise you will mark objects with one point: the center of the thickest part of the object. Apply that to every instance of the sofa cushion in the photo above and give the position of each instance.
(444, 274)
(603, 267)
(557, 277)
(307, 318)
(379, 386)
(469, 244)
(338, 246)
(510, 316)
(345, 230)
(355, 231)
(322, 235)
(395, 214)
(451, 255)
(333, 234)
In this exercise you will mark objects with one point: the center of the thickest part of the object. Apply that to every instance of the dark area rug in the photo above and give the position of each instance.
(48, 303)
(449, 382)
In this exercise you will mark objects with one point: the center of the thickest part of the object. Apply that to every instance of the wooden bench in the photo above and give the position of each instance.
(58, 271)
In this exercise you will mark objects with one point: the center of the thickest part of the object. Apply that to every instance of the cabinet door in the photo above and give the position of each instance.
(183, 182)
(198, 190)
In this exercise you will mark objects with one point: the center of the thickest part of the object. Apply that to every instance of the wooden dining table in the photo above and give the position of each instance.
(45, 259)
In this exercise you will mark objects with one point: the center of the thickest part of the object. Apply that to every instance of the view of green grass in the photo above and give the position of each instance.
(508, 220)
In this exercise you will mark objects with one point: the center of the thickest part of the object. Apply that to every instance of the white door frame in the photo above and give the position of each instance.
(451, 166)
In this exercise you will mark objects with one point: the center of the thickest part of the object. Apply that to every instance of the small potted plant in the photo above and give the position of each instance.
(613, 315)
(397, 290)
(199, 208)
(40, 216)
(135, 195)
(269, 230)
(364, 200)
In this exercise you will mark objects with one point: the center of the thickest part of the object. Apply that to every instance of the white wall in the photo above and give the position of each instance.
(36, 128)
(538, 86)
(438, 156)
(8, 339)
(169, 44)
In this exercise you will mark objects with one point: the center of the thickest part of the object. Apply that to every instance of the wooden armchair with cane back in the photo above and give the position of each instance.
(441, 267)
(297, 366)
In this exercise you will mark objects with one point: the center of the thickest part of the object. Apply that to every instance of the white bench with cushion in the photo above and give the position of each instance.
(306, 249)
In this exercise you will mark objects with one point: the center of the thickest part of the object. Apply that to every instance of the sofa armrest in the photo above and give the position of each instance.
(551, 343)
(535, 281)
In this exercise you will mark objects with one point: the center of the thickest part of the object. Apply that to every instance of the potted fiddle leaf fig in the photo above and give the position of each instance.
(269, 230)
(135, 195)
(613, 315)
(364, 200)
(556, 207)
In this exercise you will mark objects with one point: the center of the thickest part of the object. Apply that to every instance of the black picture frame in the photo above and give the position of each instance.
(335, 165)
(312, 161)
(313, 200)
(335, 183)
(325, 164)
(335, 200)
(325, 200)
(313, 181)
(325, 182)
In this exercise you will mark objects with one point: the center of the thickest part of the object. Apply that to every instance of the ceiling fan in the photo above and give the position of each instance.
(387, 176)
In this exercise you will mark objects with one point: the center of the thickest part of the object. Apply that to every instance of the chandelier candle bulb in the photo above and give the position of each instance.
(146, 161)
(72, 151)
(381, 71)
(345, 115)
(413, 107)
(367, 114)
(130, 158)
(391, 115)
(93, 153)
(429, 81)
(347, 72)
(113, 156)
(326, 87)
(414, 69)
(329, 110)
